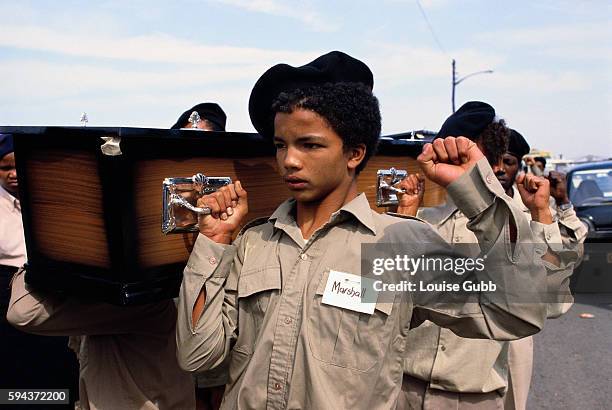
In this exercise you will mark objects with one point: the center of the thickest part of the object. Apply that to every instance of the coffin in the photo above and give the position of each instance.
(93, 221)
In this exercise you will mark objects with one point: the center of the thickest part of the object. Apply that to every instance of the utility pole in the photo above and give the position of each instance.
(457, 81)
(454, 84)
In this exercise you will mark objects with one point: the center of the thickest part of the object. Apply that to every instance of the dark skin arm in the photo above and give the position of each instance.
(535, 192)
(228, 206)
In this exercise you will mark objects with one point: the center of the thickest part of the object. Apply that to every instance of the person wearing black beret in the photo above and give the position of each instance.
(451, 380)
(476, 120)
(572, 235)
(205, 116)
(270, 303)
(517, 149)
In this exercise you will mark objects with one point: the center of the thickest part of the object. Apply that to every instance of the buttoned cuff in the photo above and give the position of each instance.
(206, 257)
(549, 234)
(571, 222)
(475, 190)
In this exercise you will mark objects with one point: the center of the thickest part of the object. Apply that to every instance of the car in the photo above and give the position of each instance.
(589, 187)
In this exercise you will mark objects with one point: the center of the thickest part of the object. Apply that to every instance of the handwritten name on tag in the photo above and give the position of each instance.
(349, 291)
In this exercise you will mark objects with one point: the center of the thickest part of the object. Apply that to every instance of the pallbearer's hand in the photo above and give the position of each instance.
(228, 207)
(446, 159)
(410, 201)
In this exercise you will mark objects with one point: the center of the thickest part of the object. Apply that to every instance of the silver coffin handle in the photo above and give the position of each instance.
(386, 192)
(176, 199)
(202, 185)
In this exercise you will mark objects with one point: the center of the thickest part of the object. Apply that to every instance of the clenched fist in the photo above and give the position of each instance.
(558, 187)
(535, 193)
(228, 206)
(446, 159)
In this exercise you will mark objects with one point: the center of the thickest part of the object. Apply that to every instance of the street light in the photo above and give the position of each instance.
(457, 81)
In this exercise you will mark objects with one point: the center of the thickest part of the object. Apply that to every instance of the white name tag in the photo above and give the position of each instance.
(349, 291)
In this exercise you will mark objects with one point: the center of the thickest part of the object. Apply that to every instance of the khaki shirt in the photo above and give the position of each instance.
(289, 350)
(457, 364)
(127, 355)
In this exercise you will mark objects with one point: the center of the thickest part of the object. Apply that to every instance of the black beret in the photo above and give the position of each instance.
(468, 121)
(517, 145)
(333, 67)
(6, 144)
(210, 112)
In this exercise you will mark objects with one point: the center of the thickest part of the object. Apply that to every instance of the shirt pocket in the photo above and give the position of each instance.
(346, 338)
(256, 288)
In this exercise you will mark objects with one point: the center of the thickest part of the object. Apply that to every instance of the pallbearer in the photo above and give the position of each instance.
(264, 301)
(444, 370)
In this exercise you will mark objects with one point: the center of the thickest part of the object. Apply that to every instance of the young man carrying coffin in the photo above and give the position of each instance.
(259, 302)
(573, 234)
(446, 371)
(210, 117)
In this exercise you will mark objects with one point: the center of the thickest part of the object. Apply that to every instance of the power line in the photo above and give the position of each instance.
(433, 33)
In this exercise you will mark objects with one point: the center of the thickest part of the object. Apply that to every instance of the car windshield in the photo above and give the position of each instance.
(591, 187)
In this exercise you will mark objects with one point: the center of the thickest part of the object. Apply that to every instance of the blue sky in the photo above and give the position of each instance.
(142, 63)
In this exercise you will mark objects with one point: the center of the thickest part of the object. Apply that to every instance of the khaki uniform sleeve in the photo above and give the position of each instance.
(516, 269)
(48, 314)
(573, 231)
(215, 268)
(559, 297)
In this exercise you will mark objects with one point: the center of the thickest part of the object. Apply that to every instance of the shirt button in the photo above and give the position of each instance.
(288, 320)
(489, 179)
(443, 348)
(303, 256)
(277, 386)
(548, 236)
(212, 260)
(457, 238)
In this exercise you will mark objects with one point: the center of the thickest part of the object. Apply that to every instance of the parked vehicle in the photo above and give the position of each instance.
(590, 190)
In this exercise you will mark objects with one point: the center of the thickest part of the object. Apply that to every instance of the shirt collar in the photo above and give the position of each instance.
(358, 208)
(10, 198)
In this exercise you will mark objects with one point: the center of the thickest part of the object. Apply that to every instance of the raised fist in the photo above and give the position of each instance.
(446, 159)
(558, 187)
(535, 193)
